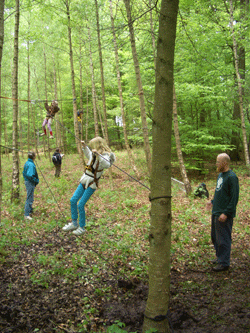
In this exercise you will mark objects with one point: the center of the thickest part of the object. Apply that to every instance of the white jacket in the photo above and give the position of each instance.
(105, 161)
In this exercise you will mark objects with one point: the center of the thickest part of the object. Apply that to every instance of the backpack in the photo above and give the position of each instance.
(56, 159)
(201, 191)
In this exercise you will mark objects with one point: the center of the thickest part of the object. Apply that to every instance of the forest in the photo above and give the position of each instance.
(166, 83)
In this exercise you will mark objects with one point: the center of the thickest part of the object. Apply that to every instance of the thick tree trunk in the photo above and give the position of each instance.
(178, 147)
(15, 175)
(240, 89)
(160, 228)
(139, 86)
(152, 33)
(1, 53)
(131, 158)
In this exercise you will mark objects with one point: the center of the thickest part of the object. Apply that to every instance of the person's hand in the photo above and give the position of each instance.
(94, 151)
(222, 218)
(209, 205)
(83, 143)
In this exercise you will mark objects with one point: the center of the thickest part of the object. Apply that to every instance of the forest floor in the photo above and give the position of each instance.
(52, 281)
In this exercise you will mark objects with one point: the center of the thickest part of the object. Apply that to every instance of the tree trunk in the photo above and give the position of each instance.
(1, 53)
(139, 86)
(152, 33)
(87, 115)
(178, 147)
(160, 228)
(102, 75)
(93, 87)
(240, 89)
(78, 142)
(28, 69)
(57, 130)
(45, 71)
(15, 175)
(131, 158)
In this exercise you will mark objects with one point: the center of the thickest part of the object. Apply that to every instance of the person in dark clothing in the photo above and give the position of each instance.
(31, 180)
(57, 160)
(223, 208)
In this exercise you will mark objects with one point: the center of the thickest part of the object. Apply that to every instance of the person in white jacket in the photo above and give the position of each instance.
(99, 158)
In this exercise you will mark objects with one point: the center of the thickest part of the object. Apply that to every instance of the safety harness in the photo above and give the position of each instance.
(94, 170)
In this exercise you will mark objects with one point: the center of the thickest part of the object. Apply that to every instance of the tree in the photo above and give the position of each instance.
(1, 53)
(240, 91)
(15, 156)
(160, 227)
(139, 85)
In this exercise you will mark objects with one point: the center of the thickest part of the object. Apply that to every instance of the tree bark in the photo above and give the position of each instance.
(78, 142)
(185, 179)
(102, 75)
(240, 89)
(15, 175)
(131, 158)
(1, 53)
(160, 227)
(139, 86)
(93, 87)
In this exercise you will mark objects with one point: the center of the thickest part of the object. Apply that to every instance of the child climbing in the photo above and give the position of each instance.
(99, 158)
(51, 111)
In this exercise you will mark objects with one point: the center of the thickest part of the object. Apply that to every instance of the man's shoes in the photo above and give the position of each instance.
(69, 227)
(28, 218)
(214, 261)
(220, 268)
(79, 231)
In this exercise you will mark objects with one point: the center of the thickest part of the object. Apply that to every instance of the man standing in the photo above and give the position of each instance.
(223, 211)
(31, 180)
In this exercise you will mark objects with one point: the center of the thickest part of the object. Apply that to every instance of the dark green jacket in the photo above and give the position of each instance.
(226, 194)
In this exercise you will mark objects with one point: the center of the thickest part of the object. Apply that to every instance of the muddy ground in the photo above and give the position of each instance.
(216, 302)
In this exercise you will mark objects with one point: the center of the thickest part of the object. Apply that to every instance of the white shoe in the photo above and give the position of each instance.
(70, 226)
(42, 134)
(79, 231)
(51, 137)
(28, 218)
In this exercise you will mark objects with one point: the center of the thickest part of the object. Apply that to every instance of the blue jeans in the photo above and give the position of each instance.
(222, 240)
(83, 195)
(30, 188)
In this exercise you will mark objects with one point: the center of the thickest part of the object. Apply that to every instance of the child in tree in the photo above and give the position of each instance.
(57, 160)
(51, 111)
(99, 158)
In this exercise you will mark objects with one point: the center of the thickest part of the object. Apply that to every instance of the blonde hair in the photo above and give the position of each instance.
(100, 145)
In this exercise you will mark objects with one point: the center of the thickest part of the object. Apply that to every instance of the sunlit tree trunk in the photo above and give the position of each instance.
(29, 120)
(160, 227)
(87, 115)
(64, 133)
(15, 175)
(81, 88)
(240, 89)
(93, 87)
(139, 86)
(78, 142)
(178, 146)
(46, 97)
(1, 53)
(57, 129)
(102, 75)
(131, 158)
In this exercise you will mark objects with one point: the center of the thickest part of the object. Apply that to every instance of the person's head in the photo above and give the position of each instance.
(100, 145)
(222, 162)
(31, 155)
(58, 150)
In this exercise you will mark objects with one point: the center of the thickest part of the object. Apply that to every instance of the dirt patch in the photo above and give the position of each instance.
(201, 301)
